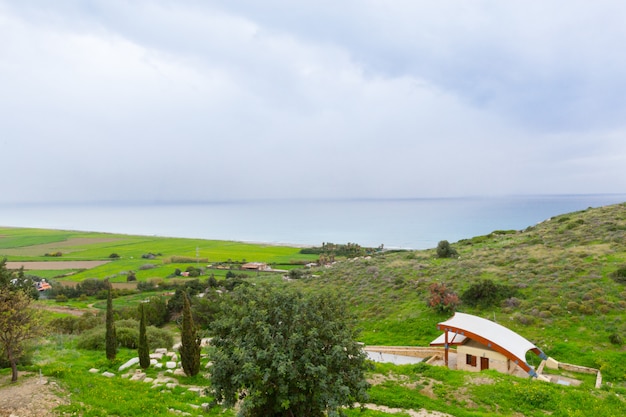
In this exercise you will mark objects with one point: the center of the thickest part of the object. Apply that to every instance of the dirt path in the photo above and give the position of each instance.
(30, 396)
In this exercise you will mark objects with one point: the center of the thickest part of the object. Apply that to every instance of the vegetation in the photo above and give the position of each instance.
(110, 338)
(18, 321)
(143, 351)
(445, 250)
(190, 341)
(18, 324)
(559, 284)
(286, 353)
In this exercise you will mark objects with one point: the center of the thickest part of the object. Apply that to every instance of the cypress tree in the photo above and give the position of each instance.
(142, 348)
(190, 341)
(111, 339)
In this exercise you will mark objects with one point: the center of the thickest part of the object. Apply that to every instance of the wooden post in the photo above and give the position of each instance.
(446, 349)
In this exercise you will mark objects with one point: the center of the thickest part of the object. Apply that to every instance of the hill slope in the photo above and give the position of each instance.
(565, 302)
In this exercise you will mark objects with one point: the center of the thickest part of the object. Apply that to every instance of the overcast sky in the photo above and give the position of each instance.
(198, 99)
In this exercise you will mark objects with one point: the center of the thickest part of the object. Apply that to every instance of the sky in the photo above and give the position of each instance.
(162, 100)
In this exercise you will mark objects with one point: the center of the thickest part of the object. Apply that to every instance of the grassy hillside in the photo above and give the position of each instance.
(566, 301)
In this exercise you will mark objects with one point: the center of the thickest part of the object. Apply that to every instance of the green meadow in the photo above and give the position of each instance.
(567, 296)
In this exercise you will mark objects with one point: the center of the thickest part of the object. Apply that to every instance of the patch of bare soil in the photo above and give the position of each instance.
(54, 265)
(30, 396)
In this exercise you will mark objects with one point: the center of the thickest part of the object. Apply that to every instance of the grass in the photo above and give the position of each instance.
(566, 303)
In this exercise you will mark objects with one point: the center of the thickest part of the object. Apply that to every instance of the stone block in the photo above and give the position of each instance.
(108, 374)
(170, 365)
(131, 362)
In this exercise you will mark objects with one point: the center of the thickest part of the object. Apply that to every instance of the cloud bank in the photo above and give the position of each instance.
(208, 100)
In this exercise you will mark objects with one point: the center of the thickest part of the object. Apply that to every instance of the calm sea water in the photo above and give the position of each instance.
(406, 223)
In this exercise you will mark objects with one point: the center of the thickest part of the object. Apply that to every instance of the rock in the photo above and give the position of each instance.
(171, 385)
(157, 356)
(162, 351)
(170, 365)
(206, 407)
(177, 346)
(158, 365)
(139, 376)
(197, 390)
(179, 372)
(108, 374)
(148, 380)
(133, 361)
(174, 357)
(94, 370)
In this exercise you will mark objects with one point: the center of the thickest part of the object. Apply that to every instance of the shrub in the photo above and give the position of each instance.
(114, 256)
(486, 293)
(444, 250)
(442, 299)
(146, 286)
(127, 332)
(61, 298)
(619, 275)
(616, 339)
(146, 267)
(130, 277)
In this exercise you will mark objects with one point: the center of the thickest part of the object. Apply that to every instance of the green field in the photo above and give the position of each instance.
(568, 300)
(18, 244)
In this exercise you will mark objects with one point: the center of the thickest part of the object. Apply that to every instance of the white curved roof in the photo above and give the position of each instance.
(492, 332)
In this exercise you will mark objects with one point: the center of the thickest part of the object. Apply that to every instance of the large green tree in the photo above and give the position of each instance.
(189, 341)
(287, 354)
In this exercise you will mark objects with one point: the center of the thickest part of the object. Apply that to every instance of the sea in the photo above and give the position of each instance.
(416, 223)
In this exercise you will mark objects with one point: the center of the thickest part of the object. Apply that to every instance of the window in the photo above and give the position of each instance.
(470, 360)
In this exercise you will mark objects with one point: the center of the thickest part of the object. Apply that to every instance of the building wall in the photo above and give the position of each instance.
(497, 361)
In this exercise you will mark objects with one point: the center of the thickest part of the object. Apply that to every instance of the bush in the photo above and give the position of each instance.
(146, 286)
(616, 339)
(486, 293)
(61, 298)
(619, 275)
(444, 250)
(442, 299)
(127, 333)
(114, 256)
(75, 325)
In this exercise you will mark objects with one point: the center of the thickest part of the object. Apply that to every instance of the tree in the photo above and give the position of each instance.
(286, 354)
(111, 339)
(18, 323)
(17, 280)
(142, 348)
(444, 250)
(190, 341)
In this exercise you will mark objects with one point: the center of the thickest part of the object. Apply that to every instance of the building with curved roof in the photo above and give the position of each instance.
(483, 344)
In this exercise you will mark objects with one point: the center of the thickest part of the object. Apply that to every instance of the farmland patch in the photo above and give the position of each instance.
(77, 243)
(55, 265)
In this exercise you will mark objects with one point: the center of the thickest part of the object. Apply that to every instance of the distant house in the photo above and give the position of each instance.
(255, 266)
(483, 344)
